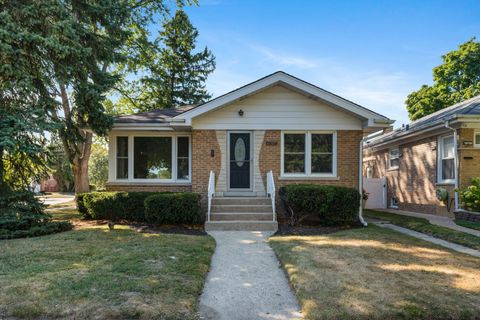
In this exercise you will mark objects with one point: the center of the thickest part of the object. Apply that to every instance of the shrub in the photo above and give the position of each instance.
(332, 205)
(114, 205)
(173, 208)
(470, 196)
(22, 215)
(80, 206)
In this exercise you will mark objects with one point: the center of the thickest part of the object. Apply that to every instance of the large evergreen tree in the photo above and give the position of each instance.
(455, 80)
(174, 73)
(72, 47)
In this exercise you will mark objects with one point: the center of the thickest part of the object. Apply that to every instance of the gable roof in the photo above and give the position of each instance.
(372, 118)
(467, 108)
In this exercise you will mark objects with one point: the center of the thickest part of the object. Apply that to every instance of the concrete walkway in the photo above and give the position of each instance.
(437, 220)
(246, 280)
(428, 238)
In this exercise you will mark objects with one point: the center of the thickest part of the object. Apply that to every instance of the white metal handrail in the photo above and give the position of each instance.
(271, 191)
(211, 192)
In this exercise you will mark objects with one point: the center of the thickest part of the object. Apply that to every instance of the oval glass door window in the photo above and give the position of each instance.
(240, 151)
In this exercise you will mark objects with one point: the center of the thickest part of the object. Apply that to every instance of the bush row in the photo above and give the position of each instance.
(332, 205)
(158, 207)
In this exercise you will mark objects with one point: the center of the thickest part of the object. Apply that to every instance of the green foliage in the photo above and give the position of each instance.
(173, 208)
(455, 80)
(332, 205)
(21, 215)
(98, 166)
(470, 196)
(174, 74)
(154, 207)
(59, 166)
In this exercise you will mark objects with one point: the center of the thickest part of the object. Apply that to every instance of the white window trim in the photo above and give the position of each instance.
(390, 167)
(131, 146)
(439, 160)
(308, 156)
(475, 134)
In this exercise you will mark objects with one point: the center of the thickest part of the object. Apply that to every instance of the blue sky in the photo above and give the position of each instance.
(371, 52)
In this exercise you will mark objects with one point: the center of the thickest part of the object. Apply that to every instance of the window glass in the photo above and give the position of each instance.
(394, 155)
(122, 157)
(322, 153)
(447, 158)
(477, 139)
(183, 166)
(294, 153)
(152, 158)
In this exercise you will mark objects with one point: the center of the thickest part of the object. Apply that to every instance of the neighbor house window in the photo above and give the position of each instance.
(309, 154)
(446, 159)
(394, 158)
(476, 140)
(122, 157)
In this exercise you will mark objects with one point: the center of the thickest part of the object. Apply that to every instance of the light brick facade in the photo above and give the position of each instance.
(414, 183)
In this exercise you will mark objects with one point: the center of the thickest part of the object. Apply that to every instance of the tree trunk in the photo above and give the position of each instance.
(80, 165)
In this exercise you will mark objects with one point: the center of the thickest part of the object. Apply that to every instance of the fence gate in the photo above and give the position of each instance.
(377, 189)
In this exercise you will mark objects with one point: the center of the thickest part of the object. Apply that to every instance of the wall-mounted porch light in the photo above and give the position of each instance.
(240, 113)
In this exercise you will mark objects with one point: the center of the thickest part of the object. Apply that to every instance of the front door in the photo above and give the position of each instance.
(240, 160)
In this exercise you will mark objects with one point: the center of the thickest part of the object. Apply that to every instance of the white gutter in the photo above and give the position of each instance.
(455, 136)
(360, 182)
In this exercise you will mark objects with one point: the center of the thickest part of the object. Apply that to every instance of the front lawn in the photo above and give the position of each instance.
(468, 224)
(377, 273)
(424, 226)
(96, 273)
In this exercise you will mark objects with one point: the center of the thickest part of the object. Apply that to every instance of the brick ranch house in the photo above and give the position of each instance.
(235, 149)
(438, 152)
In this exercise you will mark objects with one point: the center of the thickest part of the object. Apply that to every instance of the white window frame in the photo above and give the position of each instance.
(390, 167)
(131, 164)
(308, 155)
(475, 134)
(440, 158)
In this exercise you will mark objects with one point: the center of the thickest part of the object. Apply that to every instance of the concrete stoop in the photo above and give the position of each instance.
(241, 213)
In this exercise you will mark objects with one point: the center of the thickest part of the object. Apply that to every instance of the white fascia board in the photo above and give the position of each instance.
(141, 127)
(281, 77)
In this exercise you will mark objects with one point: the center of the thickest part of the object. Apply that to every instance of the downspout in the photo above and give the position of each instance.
(360, 182)
(455, 135)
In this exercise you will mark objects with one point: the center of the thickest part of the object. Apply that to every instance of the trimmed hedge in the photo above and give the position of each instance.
(173, 208)
(165, 207)
(332, 205)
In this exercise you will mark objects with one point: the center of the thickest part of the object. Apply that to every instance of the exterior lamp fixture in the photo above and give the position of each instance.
(240, 113)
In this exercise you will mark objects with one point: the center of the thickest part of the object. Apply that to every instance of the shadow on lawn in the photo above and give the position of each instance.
(373, 273)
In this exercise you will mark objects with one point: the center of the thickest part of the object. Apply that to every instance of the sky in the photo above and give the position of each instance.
(371, 52)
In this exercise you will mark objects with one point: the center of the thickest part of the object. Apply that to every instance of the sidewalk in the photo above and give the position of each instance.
(436, 220)
(428, 238)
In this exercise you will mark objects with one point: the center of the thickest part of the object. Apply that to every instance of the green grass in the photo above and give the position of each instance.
(96, 273)
(377, 273)
(64, 214)
(424, 226)
(468, 224)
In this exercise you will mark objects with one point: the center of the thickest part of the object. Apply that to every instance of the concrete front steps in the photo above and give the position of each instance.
(241, 213)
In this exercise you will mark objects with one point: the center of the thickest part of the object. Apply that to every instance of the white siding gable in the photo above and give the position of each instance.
(278, 108)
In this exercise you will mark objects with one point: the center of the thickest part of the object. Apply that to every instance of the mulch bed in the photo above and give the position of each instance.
(194, 230)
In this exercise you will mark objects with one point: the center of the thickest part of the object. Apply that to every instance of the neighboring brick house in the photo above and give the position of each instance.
(438, 151)
(279, 123)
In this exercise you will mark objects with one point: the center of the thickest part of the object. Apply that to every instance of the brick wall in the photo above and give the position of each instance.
(469, 158)
(347, 160)
(203, 142)
(148, 188)
(414, 182)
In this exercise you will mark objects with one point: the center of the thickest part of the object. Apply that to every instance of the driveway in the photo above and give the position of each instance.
(57, 198)
(246, 280)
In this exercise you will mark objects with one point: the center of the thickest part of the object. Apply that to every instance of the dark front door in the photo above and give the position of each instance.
(240, 160)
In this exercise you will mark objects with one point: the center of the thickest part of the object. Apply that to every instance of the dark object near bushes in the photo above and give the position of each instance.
(22, 215)
(331, 205)
(165, 207)
(173, 208)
